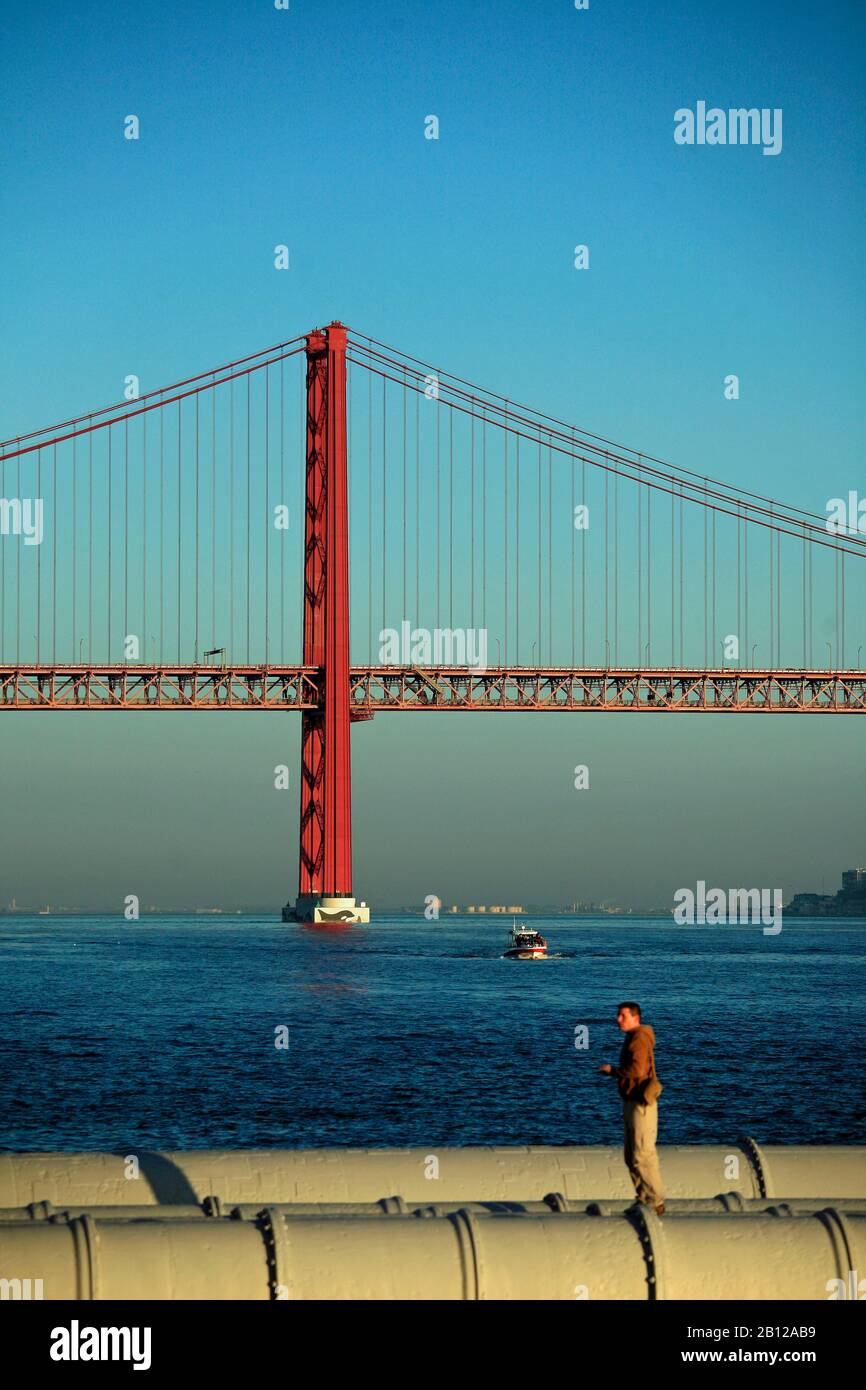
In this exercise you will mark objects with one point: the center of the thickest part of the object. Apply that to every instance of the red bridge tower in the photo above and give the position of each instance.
(325, 879)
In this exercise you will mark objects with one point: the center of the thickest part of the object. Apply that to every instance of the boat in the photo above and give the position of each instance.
(525, 944)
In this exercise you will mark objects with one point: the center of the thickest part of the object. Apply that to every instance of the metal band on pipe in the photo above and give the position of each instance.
(841, 1240)
(274, 1229)
(466, 1231)
(757, 1163)
(651, 1234)
(85, 1242)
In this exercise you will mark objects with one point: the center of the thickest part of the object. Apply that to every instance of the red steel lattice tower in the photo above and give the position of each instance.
(325, 877)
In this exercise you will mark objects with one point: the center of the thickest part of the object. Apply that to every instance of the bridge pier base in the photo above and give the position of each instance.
(314, 910)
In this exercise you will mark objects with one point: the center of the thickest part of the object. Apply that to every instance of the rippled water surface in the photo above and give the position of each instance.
(161, 1034)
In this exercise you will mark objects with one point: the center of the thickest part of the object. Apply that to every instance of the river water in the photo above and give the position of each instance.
(161, 1034)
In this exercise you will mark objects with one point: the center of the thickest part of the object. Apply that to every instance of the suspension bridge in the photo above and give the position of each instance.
(152, 553)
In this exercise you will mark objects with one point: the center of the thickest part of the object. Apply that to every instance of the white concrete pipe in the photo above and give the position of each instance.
(458, 1255)
(398, 1206)
(421, 1175)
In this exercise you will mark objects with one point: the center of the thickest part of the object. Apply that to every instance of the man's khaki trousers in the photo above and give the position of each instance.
(641, 1127)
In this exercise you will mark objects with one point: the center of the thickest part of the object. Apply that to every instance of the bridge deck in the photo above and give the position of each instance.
(375, 689)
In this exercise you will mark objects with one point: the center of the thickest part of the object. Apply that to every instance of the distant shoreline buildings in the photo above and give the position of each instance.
(575, 909)
(850, 901)
(494, 909)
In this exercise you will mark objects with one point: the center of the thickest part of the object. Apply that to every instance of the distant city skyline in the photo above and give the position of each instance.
(850, 898)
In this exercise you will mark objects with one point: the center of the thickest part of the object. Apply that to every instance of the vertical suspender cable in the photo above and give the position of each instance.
(805, 548)
(370, 513)
(836, 617)
(451, 518)
(639, 574)
(649, 576)
(573, 534)
(268, 512)
(682, 580)
(180, 528)
(471, 518)
(231, 521)
(706, 567)
(197, 467)
(438, 508)
(549, 557)
(517, 554)
(540, 554)
(484, 520)
(779, 595)
(18, 581)
(772, 563)
(583, 544)
(714, 654)
(738, 584)
(3, 570)
(249, 518)
(162, 652)
(108, 632)
(505, 446)
(405, 407)
(39, 559)
(842, 630)
(74, 656)
(55, 528)
(746, 523)
(213, 555)
(126, 532)
(616, 569)
(144, 537)
(384, 502)
(606, 585)
(811, 647)
(673, 562)
(3, 646)
(417, 506)
(286, 515)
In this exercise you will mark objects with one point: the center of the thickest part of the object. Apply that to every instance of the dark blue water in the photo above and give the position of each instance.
(161, 1034)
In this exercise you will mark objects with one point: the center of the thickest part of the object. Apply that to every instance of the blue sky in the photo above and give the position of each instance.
(306, 127)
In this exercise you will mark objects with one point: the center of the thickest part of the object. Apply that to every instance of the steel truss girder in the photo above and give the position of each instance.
(374, 689)
(654, 692)
(158, 687)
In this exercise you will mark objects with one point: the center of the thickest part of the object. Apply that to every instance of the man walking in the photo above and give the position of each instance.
(640, 1115)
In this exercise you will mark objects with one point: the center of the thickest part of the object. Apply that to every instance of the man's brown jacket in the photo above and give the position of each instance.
(636, 1063)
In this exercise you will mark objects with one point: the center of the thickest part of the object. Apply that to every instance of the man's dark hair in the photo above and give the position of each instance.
(630, 1005)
